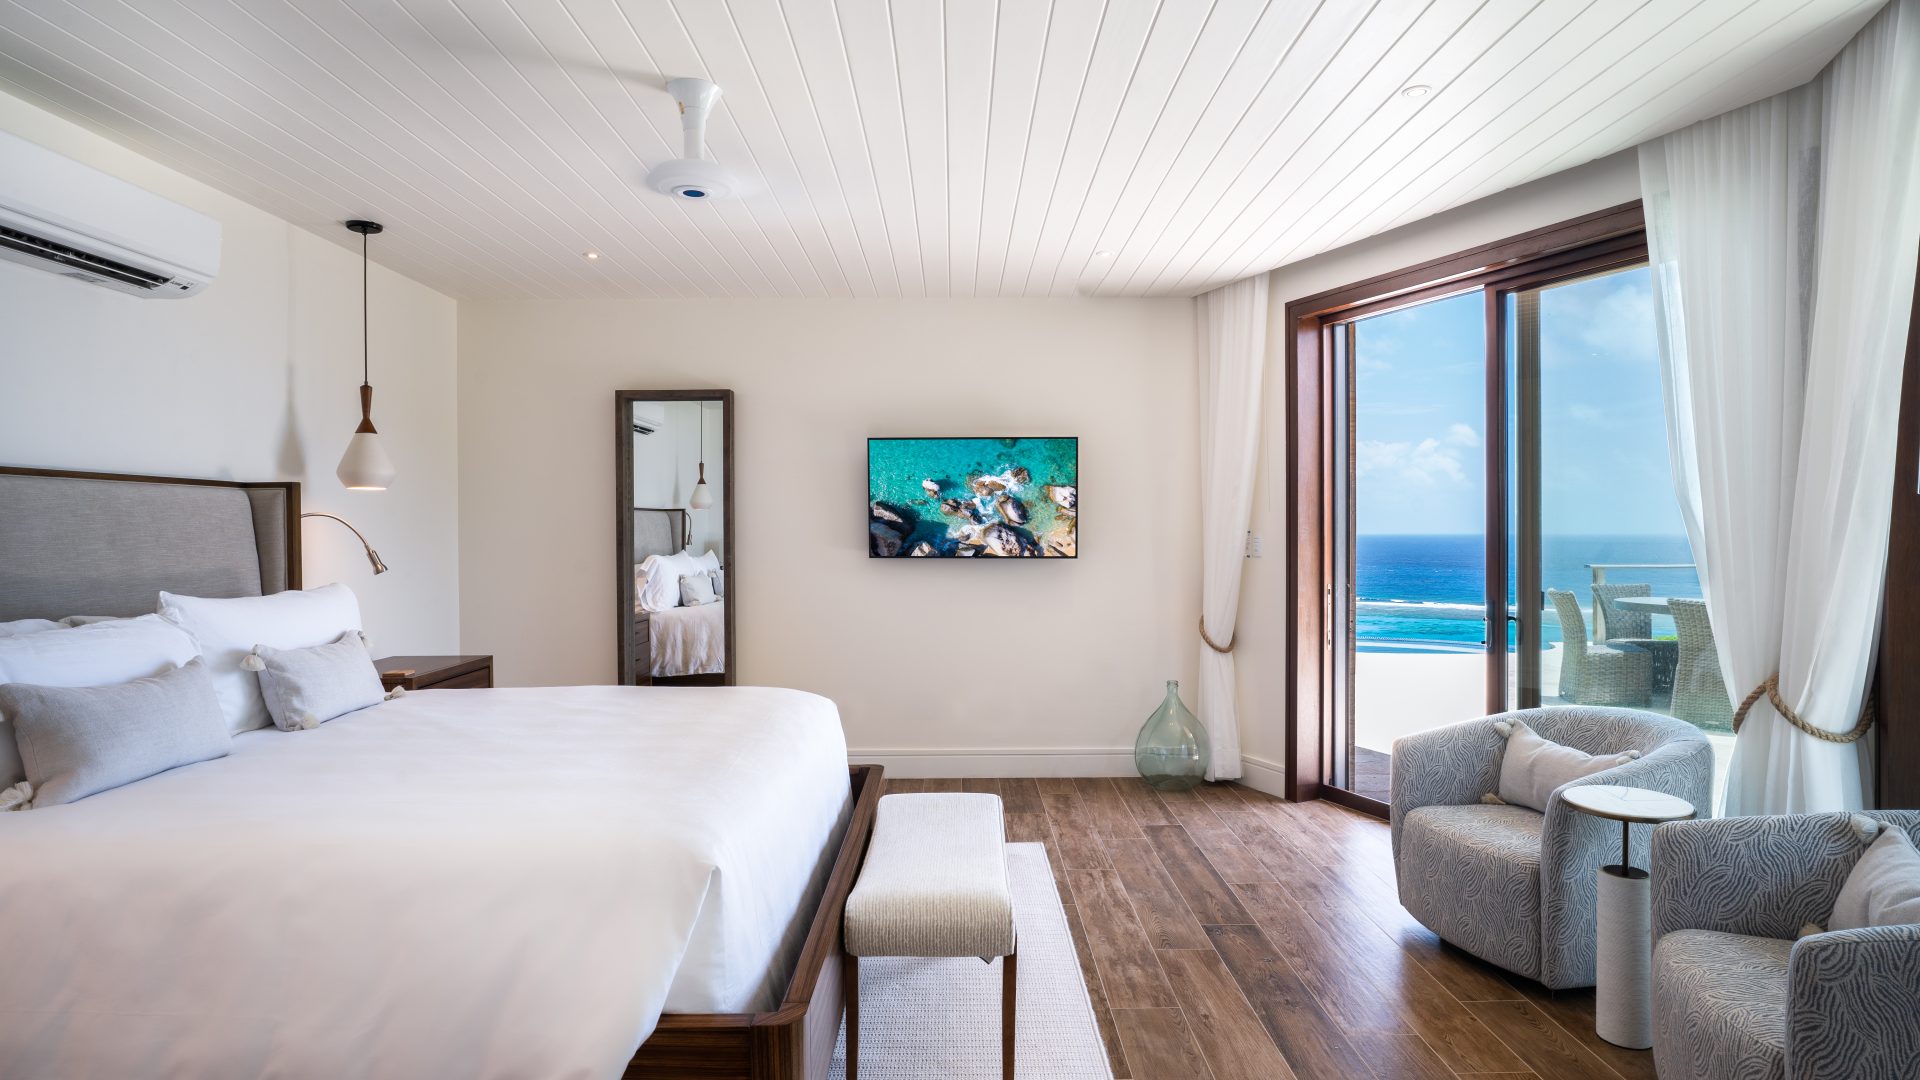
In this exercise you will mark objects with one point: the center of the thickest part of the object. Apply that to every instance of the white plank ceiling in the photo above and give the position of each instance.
(894, 147)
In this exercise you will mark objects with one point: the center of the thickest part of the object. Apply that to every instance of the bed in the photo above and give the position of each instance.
(583, 881)
(672, 643)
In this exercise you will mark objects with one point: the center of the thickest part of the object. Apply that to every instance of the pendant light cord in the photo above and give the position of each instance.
(365, 347)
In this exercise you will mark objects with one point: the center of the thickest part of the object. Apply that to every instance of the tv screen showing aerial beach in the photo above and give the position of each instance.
(969, 498)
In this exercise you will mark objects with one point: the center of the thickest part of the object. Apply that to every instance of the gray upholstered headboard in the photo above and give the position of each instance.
(659, 531)
(102, 544)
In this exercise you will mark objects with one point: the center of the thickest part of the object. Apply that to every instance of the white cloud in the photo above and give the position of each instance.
(1422, 462)
(1463, 435)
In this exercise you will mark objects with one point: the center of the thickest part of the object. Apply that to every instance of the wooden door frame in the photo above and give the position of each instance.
(1897, 685)
(1592, 241)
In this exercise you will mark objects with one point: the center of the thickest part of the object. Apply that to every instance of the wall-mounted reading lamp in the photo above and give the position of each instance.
(372, 555)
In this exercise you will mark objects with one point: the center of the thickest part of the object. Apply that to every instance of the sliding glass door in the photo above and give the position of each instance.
(1413, 579)
(1499, 525)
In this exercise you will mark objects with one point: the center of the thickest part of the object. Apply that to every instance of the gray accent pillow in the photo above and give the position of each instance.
(1883, 889)
(305, 688)
(79, 741)
(1533, 767)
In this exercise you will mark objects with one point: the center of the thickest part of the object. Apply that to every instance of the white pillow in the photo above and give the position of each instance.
(697, 589)
(1883, 889)
(98, 655)
(27, 626)
(227, 630)
(305, 688)
(1533, 767)
(662, 590)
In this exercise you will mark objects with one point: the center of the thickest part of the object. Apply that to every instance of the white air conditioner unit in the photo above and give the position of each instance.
(73, 220)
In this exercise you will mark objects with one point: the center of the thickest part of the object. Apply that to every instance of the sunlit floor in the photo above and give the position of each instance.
(1398, 694)
(1226, 935)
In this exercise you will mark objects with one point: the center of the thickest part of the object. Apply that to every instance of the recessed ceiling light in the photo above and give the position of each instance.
(1417, 90)
(589, 255)
(1103, 253)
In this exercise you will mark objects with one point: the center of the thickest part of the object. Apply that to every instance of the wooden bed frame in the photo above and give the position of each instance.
(794, 1041)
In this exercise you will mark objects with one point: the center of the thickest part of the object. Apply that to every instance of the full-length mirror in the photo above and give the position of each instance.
(673, 490)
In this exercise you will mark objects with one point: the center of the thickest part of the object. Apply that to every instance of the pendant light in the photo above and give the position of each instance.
(702, 494)
(365, 466)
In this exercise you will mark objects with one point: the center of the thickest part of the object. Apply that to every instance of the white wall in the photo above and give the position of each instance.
(966, 668)
(1265, 607)
(255, 379)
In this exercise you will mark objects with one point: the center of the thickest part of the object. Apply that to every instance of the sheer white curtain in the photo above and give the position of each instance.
(1233, 358)
(1783, 238)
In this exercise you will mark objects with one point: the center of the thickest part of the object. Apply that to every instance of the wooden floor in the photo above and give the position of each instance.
(1229, 935)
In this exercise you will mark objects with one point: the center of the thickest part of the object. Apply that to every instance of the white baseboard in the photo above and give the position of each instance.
(920, 763)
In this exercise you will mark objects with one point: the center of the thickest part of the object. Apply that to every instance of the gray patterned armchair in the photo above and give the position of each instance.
(1736, 996)
(1513, 886)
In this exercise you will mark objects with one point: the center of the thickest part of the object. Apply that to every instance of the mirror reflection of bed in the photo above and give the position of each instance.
(674, 484)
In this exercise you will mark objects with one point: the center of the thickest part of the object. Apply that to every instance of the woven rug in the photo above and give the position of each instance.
(923, 1018)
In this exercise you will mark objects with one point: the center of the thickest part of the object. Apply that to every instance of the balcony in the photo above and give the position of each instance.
(1404, 685)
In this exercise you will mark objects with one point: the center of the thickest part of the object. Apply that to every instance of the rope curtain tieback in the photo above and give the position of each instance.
(1212, 644)
(1770, 689)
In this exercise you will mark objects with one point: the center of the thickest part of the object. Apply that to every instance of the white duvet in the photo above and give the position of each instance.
(457, 883)
(689, 640)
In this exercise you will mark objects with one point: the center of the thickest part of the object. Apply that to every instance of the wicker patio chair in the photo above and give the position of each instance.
(1699, 693)
(1598, 673)
(1624, 627)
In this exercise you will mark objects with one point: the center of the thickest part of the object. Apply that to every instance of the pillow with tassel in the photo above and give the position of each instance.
(305, 688)
(1533, 767)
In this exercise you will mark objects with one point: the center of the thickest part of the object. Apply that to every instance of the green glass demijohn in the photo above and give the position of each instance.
(1171, 752)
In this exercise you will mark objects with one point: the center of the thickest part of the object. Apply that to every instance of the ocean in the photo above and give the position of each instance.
(1429, 590)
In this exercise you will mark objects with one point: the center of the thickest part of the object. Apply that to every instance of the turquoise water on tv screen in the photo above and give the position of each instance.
(898, 470)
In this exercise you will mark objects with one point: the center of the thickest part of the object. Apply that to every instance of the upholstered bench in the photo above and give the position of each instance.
(934, 884)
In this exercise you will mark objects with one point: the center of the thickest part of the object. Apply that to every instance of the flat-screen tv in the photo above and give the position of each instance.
(968, 498)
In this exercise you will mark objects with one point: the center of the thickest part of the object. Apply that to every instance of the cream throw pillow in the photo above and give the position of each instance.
(1884, 887)
(1533, 767)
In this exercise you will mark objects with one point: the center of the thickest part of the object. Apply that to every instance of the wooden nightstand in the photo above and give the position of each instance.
(436, 672)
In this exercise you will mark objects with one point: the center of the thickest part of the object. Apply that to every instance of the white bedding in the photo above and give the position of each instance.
(471, 883)
(689, 640)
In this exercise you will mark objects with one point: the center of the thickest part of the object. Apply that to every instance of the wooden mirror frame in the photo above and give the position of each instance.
(623, 402)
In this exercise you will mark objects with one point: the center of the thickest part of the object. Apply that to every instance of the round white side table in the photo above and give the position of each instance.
(1623, 959)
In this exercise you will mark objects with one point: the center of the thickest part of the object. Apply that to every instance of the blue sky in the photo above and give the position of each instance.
(1421, 415)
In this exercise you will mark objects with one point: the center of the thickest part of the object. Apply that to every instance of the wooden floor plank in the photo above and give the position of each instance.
(1074, 834)
(1223, 849)
(1185, 808)
(1356, 1003)
(1055, 785)
(1105, 809)
(1544, 1045)
(1233, 1040)
(1096, 993)
(1220, 796)
(1020, 795)
(984, 787)
(1312, 1044)
(1403, 1057)
(1158, 1045)
(1162, 911)
(1142, 801)
(1122, 952)
(1425, 1007)
(1205, 891)
(1573, 1011)
(1272, 847)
